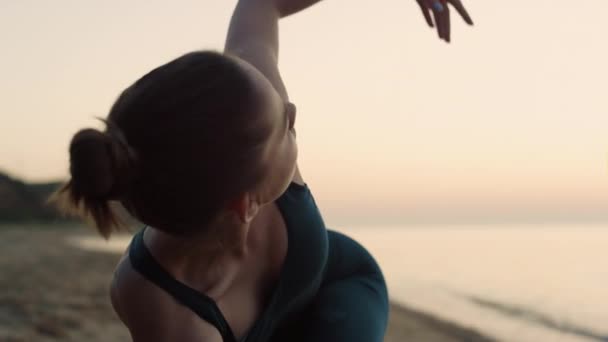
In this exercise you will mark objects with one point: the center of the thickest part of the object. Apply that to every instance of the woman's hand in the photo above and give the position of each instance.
(441, 13)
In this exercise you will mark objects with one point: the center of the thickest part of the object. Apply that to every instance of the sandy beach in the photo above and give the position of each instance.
(53, 291)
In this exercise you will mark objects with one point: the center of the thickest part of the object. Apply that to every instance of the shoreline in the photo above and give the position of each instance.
(408, 324)
(53, 291)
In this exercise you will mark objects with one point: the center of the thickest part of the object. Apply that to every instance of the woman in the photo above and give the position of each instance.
(202, 151)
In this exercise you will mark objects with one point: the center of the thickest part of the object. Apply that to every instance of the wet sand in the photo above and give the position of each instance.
(53, 291)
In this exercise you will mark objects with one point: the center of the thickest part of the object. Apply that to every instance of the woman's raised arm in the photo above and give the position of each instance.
(254, 34)
(254, 31)
(254, 37)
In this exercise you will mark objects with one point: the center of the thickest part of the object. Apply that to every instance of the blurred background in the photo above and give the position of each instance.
(476, 172)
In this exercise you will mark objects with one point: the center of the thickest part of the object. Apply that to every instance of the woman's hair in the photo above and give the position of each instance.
(178, 145)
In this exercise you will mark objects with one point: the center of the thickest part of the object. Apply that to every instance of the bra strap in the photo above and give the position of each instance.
(205, 307)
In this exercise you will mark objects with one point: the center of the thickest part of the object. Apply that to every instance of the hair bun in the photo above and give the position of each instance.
(100, 164)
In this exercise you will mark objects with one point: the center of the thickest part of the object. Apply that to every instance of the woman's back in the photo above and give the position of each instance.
(283, 270)
(143, 305)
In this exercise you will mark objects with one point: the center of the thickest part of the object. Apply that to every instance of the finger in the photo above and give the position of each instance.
(446, 24)
(439, 23)
(444, 21)
(425, 12)
(462, 11)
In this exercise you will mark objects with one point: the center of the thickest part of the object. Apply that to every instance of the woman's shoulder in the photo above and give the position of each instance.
(150, 314)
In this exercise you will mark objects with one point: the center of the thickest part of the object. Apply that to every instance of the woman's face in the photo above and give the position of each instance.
(281, 151)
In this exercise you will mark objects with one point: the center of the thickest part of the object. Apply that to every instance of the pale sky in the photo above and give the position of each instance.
(508, 123)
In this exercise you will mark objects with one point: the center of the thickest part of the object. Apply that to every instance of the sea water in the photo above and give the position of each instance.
(514, 283)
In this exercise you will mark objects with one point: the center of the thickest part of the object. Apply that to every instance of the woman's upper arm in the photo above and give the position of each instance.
(253, 36)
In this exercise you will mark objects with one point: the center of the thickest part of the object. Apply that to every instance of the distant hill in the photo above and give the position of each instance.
(23, 202)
